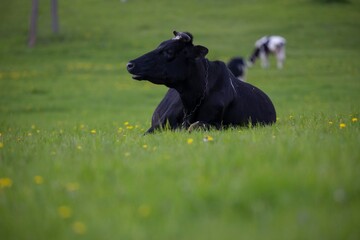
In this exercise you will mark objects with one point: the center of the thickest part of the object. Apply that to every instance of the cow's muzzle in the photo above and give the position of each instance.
(131, 69)
(130, 66)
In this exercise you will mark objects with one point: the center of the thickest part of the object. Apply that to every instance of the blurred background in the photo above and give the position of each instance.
(79, 71)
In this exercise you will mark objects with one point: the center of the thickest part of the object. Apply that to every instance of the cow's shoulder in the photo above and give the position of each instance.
(218, 64)
(219, 69)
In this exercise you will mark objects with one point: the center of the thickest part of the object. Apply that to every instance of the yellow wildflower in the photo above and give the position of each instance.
(1, 144)
(330, 122)
(5, 182)
(145, 146)
(342, 125)
(72, 186)
(190, 141)
(79, 147)
(354, 119)
(144, 210)
(108, 67)
(15, 75)
(64, 212)
(38, 179)
(126, 123)
(208, 139)
(79, 227)
(93, 131)
(129, 127)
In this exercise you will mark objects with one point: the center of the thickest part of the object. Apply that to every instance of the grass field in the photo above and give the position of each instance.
(75, 165)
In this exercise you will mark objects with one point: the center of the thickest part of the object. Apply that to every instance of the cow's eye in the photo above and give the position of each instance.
(169, 53)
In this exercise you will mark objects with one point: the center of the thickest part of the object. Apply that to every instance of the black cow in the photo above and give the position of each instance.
(209, 94)
(170, 112)
(237, 66)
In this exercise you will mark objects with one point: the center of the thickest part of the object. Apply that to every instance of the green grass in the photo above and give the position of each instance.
(71, 169)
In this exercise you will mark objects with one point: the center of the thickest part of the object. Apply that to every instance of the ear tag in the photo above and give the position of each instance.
(177, 37)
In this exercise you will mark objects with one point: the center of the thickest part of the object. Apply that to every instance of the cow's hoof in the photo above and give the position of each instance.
(195, 126)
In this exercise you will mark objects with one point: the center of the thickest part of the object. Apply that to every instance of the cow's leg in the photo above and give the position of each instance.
(150, 130)
(198, 125)
(264, 59)
(169, 113)
(210, 115)
(280, 56)
(253, 57)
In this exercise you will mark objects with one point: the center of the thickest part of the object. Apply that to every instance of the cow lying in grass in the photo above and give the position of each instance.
(170, 111)
(210, 94)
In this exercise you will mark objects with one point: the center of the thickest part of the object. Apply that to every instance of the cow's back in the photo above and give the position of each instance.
(250, 105)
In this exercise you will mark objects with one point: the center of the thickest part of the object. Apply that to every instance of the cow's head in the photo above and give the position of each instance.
(169, 63)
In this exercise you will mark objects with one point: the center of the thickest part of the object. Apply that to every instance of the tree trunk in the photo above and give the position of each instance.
(54, 16)
(33, 22)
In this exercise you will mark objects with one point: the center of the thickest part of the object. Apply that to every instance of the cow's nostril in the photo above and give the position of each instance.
(130, 66)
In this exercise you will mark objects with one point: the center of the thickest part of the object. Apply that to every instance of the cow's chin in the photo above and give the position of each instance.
(138, 77)
(157, 81)
(153, 80)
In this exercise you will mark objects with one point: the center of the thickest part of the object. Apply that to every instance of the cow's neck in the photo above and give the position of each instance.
(193, 93)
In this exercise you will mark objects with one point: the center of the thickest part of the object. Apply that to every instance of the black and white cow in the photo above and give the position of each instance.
(202, 93)
(269, 45)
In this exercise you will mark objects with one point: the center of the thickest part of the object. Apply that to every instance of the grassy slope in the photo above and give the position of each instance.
(297, 179)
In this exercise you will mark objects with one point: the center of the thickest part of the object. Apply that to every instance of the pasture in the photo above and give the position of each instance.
(75, 165)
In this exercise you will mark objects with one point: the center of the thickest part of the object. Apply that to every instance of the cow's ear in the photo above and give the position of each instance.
(200, 51)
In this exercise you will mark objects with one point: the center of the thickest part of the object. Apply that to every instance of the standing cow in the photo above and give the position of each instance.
(210, 94)
(266, 45)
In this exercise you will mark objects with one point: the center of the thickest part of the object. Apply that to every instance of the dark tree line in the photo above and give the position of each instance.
(34, 17)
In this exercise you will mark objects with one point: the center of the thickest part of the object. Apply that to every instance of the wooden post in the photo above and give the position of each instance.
(33, 22)
(54, 16)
